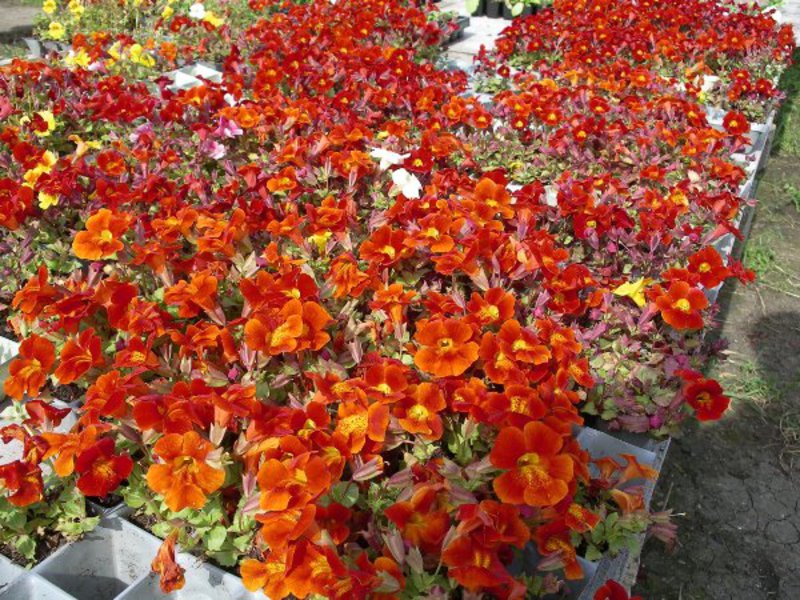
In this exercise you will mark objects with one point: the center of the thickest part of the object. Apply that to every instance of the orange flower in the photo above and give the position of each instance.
(101, 471)
(346, 278)
(28, 373)
(513, 350)
(309, 570)
(279, 529)
(23, 480)
(78, 356)
(184, 479)
(67, 446)
(491, 200)
(473, 565)
(268, 576)
(421, 520)
(496, 524)
(170, 574)
(285, 181)
(536, 473)
(680, 306)
(386, 381)
(35, 296)
(292, 483)
(275, 332)
(496, 306)
(195, 296)
(392, 300)
(553, 539)
(384, 247)
(101, 238)
(419, 411)
(445, 348)
(358, 422)
(580, 519)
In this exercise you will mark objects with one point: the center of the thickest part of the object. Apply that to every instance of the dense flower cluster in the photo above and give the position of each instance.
(337, 320)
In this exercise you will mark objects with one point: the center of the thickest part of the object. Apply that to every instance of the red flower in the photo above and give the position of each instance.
(736, 123)
(23, 480)
(706, 398)
(680, 306)
(611, 590)
(101, 471)
(536, 473)
(708, 267)
(111, 163)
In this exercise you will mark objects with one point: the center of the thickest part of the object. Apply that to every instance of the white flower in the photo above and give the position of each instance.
(197, 11)
(551, 195)
(408, 183)
(387, 157)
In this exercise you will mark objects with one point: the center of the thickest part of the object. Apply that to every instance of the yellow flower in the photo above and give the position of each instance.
(47, 200)
(77, 59)
(167, 12)
(82, 147)
(320, 239)
(113, 51)
(213, 19)
(48, 118)
(634, 290)
(45, 165)
(76, 8)
(56, 30)
(139, 56)
(49, 7)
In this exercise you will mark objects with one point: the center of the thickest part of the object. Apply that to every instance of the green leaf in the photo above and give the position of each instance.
(242, 542)
(345, 494)
(26, 546)
(472, 5)
(162, 529)
(216, 537)
(593, 553)
(516, 9)
(226, 559)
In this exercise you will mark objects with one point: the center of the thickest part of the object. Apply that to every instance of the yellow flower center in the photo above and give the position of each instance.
(446, 343)
(530, 460)
(683, 305)
(418, 413)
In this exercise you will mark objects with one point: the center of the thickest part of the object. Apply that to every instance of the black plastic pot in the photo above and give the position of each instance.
(494, 9)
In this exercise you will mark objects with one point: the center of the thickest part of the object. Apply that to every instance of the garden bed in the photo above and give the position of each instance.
(354, 332)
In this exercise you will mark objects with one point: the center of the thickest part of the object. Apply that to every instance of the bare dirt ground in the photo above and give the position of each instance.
(737, 482)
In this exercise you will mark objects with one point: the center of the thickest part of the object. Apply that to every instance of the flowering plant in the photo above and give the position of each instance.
(337, 321)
